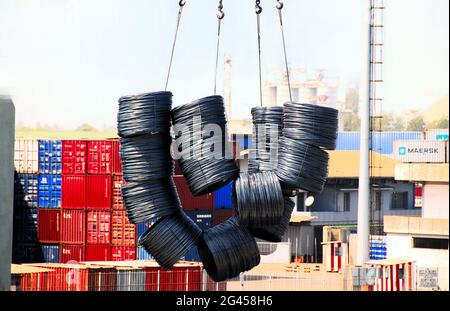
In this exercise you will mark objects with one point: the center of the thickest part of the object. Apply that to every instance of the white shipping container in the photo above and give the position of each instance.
(26, 155)
(420, 151)
(437, 134)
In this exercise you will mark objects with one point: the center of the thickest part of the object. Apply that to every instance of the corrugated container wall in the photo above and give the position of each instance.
(49, 191)
(73, 191)
(143, 255)
(50, 154)
(49, 225)
(420, 151)
(98, 227)
(51, 253)
(188, 201)
(129, 279)
(220, 215)
(25, 191)
(25, 222)
(26, 156)
(117, 202)
(223, 197)
(26, 253)
(74, 156)
(437, 134)
(72, 253)
(123, 253)
(98, 192)
(98, 252)
(73, 226)
(143, 226)
(204, 219)
(123, 233)
(103, 157)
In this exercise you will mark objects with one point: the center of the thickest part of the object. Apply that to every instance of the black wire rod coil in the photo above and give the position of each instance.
(276, 232)
(170, 238)
(258, 199)
(302, 166)
(312, 124)
(228, 249)
(146, 200)
(146, 157)
(205, 168)
(147, 113)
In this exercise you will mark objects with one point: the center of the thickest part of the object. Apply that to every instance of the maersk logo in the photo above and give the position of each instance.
(402, 151)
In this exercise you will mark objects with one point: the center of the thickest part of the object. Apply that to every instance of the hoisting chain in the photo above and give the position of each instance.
(220, 16)
(181, 4)
(280, 6)
(258, 10)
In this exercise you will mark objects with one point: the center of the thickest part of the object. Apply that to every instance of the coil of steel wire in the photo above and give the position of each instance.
(146, 157)
(206, 168)
(228, 249)
(276, 232)
(170, 238)
(289, 190)
(147, 113)
(302, 166)
(312, 124)
(258, 199)
(146, 200)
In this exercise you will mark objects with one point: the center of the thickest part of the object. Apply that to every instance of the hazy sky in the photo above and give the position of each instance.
(67, 62)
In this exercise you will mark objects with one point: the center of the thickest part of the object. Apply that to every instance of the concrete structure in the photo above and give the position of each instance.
(7, 125)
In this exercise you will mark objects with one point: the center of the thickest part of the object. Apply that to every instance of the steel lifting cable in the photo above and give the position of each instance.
(228, 249)
(280, 6)
(181, 4)
(258, 10)
(220, 16)
(170, 238)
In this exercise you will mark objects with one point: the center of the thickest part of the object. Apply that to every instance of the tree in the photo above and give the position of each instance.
(416, 124)
(86, 128)
(351, 122)
(439, 124)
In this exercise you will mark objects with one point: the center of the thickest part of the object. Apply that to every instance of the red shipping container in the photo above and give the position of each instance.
(98, 192)
(177, 168)
(48, 225)
(188, 201)
(72, 253)
(73, 191)
(73, 226)
(30, 282)
(100, 157)
(65, 277)
(117, 162)
(98, 252)
(123, 253)
(117, 202)
(98, 227)
(220, 215)
(74, 156)
(123, 233)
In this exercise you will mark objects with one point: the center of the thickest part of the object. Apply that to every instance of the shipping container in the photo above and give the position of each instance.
(220, 215)
(130, 279)
(223, 197)
(65, 277)
(49, 225)
(123, 233)
(117, 202)
(98, 227)
(74, 156)
(143, 226)
(49, 191)
(28, 279)
(26, 253)
(25, 191)
(437, 134)
(98, 252)
(102, 279)
(73, 227)
(26, 156)
(192, 255)
(50, 253)
(142, 254)
(381, 142)
(420, 151)
(73, 191)
(177, 168)
(72, 253)
(98, 192)
(123, 253)
(188, 201)
(50, 156)
(25, 225)
(204, 219)
(103, 157)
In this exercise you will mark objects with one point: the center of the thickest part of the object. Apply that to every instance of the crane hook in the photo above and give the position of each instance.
(221, 13)
(280, 4)
(258, 7)
(182, 3)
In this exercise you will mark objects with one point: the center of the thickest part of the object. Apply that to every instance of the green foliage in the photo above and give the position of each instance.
(439, 124)
(416, 124)
(86, 128)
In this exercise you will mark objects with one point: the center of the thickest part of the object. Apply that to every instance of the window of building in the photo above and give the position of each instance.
(376, 201)
(347, 201)
(343, 201)
(273, 96)
(400, 200)
(430, 243)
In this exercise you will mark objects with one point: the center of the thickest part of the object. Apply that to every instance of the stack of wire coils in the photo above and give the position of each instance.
(149, 191)
(200, 131)
(308, 131)
(228, 249)
(267, 127)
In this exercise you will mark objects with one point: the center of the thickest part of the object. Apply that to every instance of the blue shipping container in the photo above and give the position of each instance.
(50, 154)
(192, 255)
(50, 253)
(142, 254)
(204, 219)
(382, 142)
(378, 250)
(25, 191)
(49, 191)
(143, 226)
(25, 225)
(26, 253)
(223, 197)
